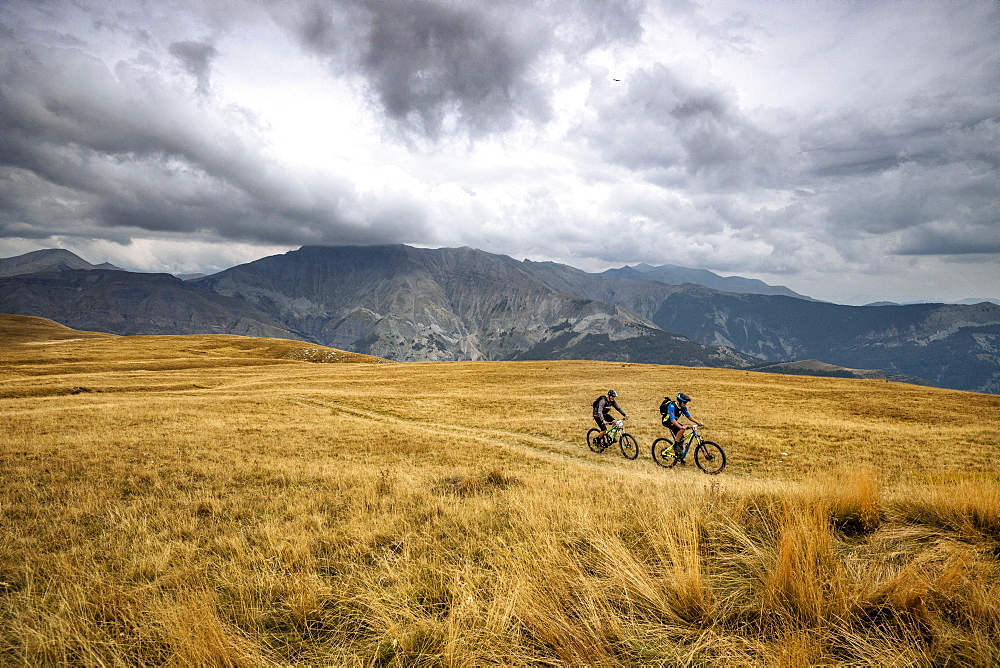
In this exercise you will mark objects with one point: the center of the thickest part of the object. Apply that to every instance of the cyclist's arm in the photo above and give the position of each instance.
(687, 414)
(618, 408)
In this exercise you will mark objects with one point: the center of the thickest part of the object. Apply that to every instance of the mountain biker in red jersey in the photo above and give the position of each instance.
(602, 411)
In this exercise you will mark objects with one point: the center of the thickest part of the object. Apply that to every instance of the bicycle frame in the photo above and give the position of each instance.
(689, 440)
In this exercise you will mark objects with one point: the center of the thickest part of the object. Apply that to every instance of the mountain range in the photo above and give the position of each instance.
(674, 275)
(411, 304)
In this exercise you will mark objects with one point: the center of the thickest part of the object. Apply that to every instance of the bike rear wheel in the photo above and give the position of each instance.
(594, 443)
(663, 452)
(630, 449)
(710, 457)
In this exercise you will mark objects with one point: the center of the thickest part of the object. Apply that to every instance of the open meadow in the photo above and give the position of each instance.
(225, 501)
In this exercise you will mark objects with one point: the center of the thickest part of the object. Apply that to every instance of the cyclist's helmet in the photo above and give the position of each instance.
(683, 397)
(612, 393)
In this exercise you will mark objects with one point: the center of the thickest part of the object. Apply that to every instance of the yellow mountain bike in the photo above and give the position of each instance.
(709, 456)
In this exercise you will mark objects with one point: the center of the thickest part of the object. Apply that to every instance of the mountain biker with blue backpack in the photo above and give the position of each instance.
(670, 411)
(602, 410)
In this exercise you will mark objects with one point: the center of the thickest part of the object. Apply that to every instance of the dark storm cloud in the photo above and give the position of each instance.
(949, 239)
(930, 172)
(196, 57)
(431, 65)
(425, 59)
(126, 150)
(924, 131)
(679, 133)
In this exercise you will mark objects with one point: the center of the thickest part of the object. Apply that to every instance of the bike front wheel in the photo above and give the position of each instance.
(663, 452)
(710, 457)
(595, 443)
(630, 449)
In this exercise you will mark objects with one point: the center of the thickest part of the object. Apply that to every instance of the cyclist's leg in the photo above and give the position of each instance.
(678, 433)
(601, 425)
(607, 422)
(663, 447)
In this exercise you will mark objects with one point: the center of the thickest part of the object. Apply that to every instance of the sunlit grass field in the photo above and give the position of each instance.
(217, 500)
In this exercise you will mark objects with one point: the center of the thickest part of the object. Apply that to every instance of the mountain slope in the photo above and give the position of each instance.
(411, 304)
(675, 275)
(953, 346)
(122, 302)
(643, 297)
(950, 345)
(55, 259)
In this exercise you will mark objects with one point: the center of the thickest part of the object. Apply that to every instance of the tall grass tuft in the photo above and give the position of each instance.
(854, 498)
(806, 586)
(195, 634)
(966, 505)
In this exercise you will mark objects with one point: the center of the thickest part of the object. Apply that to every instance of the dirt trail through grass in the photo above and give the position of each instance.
(540, 448)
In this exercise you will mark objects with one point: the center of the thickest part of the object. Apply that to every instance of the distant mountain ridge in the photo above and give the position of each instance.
(967, 302)
(950, 345)
(409, 304)
(55, 259)
(675, 275)
(126, 303)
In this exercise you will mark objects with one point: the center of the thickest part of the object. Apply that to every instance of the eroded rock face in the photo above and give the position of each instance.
(948, 345)
(413, 304)
(121, 302)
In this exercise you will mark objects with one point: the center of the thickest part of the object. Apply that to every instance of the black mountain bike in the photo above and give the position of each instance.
(709, 456)
(627, 442)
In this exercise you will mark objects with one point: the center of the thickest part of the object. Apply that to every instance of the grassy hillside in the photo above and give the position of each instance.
(42, 349)
(817, 368)
(26, 329)
(223, 501)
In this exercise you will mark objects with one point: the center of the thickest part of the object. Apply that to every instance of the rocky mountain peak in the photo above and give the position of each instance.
(50, 259)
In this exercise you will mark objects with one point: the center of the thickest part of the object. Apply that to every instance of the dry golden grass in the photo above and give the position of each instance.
(232, 502)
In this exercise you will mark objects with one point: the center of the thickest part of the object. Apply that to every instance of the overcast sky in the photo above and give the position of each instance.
(849, 150)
